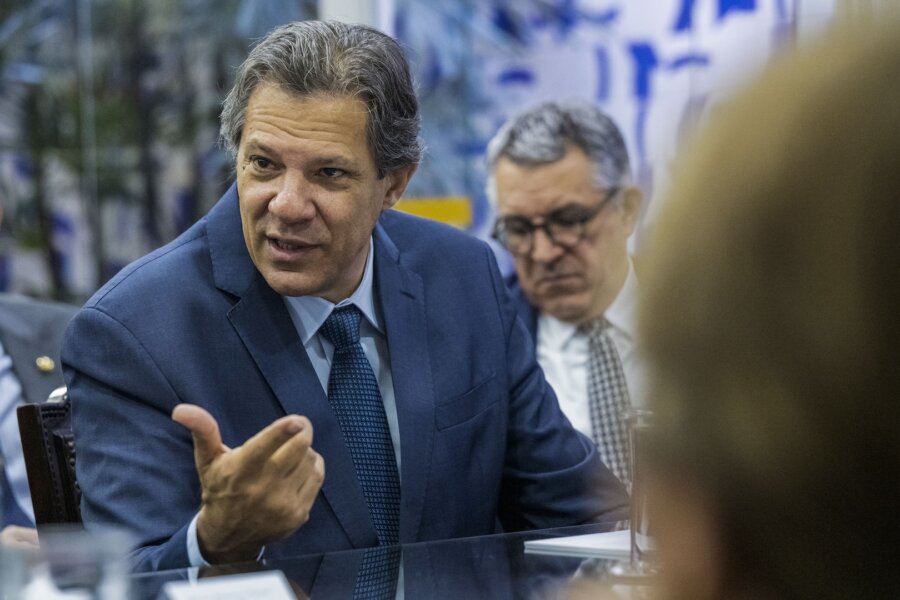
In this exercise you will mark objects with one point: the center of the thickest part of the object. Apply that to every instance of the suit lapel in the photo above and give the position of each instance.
(525, 310)
(401, 296)
(265, 327)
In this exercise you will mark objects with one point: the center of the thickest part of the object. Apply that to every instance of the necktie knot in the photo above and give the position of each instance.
(594, 327)
(341, 328)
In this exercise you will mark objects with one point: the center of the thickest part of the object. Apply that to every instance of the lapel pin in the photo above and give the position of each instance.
(44, 364)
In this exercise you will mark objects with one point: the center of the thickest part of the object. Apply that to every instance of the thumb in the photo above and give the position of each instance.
(207, 440)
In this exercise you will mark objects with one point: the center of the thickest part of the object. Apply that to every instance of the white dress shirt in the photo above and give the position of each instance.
(563, 353)
(308, 314)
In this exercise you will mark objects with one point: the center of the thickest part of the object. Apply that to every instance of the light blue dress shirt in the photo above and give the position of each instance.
(12, 459)
(308, 314)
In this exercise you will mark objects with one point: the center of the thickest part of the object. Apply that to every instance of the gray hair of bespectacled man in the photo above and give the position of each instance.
(542, 135)
(337, 59)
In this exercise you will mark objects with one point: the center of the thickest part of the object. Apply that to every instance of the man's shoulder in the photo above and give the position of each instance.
(528, 313)
(175, 266)
(419, 236)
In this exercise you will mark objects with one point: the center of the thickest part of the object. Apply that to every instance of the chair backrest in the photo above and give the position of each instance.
(49, 447)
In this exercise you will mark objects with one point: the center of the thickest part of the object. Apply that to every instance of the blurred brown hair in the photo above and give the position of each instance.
(770, 320)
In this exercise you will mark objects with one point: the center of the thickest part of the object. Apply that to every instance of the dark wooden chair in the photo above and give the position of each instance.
(49, 447)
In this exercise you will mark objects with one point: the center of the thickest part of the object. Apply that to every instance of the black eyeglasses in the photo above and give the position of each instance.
(564, 227)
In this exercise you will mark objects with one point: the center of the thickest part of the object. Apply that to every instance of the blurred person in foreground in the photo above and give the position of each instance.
(771, 330)
(560, 181)
(302, 301)
(30, 333)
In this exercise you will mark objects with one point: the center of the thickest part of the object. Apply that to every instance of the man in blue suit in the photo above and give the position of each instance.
(190, 370)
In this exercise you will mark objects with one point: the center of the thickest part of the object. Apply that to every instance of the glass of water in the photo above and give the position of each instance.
(84, 564)
(640, 424)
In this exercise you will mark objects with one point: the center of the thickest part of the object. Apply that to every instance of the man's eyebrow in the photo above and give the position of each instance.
(256, 146)
(569, 206)
(514, 217)
(334, 160)
(565, 207)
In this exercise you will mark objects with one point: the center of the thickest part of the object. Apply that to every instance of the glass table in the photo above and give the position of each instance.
(492, 567)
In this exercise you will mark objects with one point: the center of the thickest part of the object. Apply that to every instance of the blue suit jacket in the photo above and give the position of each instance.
(526, 311)
(481, 433)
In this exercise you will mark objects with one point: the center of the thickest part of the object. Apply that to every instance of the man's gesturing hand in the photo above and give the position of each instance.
(254, 494)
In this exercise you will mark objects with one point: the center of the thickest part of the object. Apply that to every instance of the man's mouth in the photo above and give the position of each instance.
(556, 278)
(288, 246)
(288, 249)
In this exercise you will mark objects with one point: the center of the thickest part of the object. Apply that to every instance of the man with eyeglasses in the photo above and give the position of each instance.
(560, 184)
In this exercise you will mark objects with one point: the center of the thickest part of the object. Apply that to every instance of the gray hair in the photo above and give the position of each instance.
(334, 58)
(543, 133)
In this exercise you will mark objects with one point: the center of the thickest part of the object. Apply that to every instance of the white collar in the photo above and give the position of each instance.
(310, 312)
(621, 313)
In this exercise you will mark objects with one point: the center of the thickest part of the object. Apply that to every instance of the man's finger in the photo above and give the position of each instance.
(260, 448)
(14, 536)
(207, 440)
(290, 456)
(312, 482)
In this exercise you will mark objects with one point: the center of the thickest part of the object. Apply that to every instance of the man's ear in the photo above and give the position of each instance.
(631, 206)
(396, 184)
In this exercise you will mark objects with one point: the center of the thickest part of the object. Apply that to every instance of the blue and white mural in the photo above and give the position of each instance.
(654, 65)
(108, 121)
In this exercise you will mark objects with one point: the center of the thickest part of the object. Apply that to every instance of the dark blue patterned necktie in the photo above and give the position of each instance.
(376, 578)
(356, 401)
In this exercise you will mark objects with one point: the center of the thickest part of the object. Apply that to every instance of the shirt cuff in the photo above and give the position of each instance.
(195, 558)
(193, 545)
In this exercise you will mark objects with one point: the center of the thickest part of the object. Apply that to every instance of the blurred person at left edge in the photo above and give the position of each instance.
(198, 373)
(30, 332)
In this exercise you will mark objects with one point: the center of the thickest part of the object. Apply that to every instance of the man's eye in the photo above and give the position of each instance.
(332, 172)
(260, 162)
(568, 218)
(517, 227)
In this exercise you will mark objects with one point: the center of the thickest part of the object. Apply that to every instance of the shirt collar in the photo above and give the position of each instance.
(621, 313)
(310, 312)
(555, 332)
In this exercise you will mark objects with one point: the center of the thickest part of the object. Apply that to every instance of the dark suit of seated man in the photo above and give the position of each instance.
(198, 373)
(30, 331)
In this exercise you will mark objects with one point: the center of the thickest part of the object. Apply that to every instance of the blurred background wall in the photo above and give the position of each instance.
(108, 108)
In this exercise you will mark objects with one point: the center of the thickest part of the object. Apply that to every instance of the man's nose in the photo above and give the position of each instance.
(543, 248)
(295, 199)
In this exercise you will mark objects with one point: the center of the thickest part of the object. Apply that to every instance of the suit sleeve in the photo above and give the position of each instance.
(553, 476)
(129, 452)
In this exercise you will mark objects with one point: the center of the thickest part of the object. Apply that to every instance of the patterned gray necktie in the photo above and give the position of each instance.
(609, 402)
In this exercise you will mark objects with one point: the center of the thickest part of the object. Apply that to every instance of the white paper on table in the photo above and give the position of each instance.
(610, 544)
(269, 585)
